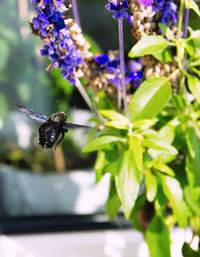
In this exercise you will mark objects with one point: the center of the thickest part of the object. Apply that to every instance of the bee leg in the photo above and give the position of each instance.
(60, 140)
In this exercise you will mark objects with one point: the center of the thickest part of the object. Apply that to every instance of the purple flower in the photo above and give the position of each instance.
(118, 7)
(102, 59)
(61, 50)
(63, 54)
(167, 11)
(113, 67)
(146, 3)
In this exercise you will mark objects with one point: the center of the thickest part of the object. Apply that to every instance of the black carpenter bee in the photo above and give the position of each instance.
(52, 127)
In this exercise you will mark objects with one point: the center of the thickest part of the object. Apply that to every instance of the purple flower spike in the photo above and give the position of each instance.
(118, 7)
(146, 3)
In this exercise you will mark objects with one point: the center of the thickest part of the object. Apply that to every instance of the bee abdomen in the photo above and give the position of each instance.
(48, 135)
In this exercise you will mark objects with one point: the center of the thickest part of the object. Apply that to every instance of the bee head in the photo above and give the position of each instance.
(58, 117)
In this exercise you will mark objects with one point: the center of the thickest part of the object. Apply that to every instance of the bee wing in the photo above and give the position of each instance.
(70, 125)
(32, 114)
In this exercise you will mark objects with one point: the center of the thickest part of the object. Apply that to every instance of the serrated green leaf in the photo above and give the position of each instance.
(174, 193)
(128, 181)
(190, 4)
(150, 98)
(158, 238)
(113, 203)
(101, 143)
(194, 86)
(151, 185)
(148, 45)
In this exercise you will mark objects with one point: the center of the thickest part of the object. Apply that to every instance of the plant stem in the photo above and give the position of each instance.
(185, 30)
(182, 88)
(88, 100)
(122, 64)
(76, 13)
(180, 20)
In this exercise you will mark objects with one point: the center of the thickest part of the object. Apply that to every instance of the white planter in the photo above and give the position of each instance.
(27, 194)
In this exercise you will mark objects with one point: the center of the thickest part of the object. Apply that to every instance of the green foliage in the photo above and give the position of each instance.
(187, 251)
(128, 178)
(190, 4)
(148, 45)
(157, 237)
(151, 97)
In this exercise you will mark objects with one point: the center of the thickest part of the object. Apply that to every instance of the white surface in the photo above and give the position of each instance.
(84, 244)
(116, 243)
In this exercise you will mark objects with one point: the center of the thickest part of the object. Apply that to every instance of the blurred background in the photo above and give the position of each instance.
(35, 182)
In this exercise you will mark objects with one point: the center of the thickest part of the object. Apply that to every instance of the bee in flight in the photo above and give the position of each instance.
(52, 127)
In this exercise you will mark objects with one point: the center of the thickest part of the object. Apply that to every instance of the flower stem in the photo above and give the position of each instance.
(88, 100)
(185, 30)
(76, 13)
(122, 64)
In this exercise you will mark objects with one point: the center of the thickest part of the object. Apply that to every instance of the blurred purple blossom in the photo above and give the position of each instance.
(118, 7)
(146, 3)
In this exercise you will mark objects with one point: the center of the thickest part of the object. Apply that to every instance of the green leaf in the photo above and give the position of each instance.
(158, 238)
(104, 158)
(148, 45)
(143, 124)
(164, 56)
(115, 116)
(190, 4)
(94, 47)
(195, 35)
(167, 132)
(134, 218)
(192, 158)
(164, 169)
(174, 193)
(128, 181)
(113, 203)
(135, 145)
(101, 143)
(194, 86)
(160, 201)
(160, 145)
(190, 48)
(192, 197)
(150, 98)
(187, 251)
(166, 31)
(151, 185)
